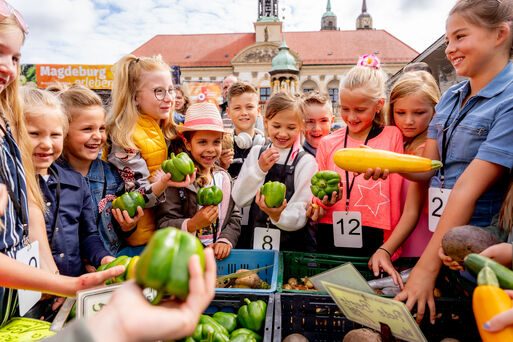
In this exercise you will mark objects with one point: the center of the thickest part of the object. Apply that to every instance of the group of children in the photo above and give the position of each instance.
(84, 158)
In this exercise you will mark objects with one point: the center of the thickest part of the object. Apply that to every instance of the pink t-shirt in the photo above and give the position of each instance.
(379, 201)
(420, 236)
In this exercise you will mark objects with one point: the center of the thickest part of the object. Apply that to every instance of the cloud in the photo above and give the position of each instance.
(102, 31)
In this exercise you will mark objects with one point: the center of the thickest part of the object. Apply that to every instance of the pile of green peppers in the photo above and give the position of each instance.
(324, 183)
(178, 166)
(229, 327)
(274, 194)
(129, 201)
(129, 273)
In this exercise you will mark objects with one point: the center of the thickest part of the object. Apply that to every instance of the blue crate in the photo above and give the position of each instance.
(250, 259)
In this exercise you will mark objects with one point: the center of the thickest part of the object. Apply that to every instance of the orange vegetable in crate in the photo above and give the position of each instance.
(363, 158)
(489, 300)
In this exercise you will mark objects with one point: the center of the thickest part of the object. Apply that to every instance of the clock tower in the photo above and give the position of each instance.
(364, 20)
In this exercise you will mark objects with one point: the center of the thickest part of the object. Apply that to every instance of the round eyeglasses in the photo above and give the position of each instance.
(160, 93)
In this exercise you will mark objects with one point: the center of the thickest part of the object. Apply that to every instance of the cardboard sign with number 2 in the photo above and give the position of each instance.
(347, 229)
(437, 201)
(266, 238)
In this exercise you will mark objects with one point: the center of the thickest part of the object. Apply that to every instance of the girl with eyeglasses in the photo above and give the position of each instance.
(139, 128)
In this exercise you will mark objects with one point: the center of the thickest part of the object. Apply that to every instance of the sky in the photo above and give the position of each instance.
(102, 31)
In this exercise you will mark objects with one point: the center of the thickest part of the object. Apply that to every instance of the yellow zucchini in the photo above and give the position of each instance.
(363, 158)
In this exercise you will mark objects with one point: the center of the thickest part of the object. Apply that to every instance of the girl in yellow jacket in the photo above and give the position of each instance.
(139, 127)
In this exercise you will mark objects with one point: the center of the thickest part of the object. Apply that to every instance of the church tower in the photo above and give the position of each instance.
(268, 9)
(364, 20)
(329, 19)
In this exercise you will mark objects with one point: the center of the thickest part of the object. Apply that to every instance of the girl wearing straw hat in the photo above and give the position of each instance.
(202, 133)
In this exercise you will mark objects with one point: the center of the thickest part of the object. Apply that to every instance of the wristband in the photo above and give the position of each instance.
(383, 249)
(319, 203)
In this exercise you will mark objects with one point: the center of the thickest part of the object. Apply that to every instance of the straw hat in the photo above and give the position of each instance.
(202, 116)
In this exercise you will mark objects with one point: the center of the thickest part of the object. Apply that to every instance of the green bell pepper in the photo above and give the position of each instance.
(207, 319)
(163, 264)
(210, 195)
(226, 319)
(274, 193)
(121, 260)
(209, 332)
(129, 201)
(324, 183)
(246, 332)
(243, 338)
(252, 315)
(178, 166)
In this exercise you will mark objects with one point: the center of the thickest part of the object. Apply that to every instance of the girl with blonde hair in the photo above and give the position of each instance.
(412, 104)
(139, 127)
(20, 200)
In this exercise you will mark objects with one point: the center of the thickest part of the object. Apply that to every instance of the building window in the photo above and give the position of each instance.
(333, 92)
(307, 90)
(265, 94)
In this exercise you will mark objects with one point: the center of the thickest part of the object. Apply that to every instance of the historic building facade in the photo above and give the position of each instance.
(321, 57)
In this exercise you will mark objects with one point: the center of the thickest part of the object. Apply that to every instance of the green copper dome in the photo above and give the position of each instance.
(284, 61)
(328, 12)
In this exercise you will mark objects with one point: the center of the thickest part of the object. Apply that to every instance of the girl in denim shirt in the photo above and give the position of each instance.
(84, 141)
(471, 133)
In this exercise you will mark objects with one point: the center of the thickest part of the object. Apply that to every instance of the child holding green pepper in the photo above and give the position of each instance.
(284, 161)
(202, 133)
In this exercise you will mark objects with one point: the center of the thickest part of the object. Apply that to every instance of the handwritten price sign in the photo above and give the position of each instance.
(371, 310)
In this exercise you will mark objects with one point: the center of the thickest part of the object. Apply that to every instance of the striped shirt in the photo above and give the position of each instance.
(11, 236)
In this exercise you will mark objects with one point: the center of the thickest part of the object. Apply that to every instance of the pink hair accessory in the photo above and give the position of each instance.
(370, 61)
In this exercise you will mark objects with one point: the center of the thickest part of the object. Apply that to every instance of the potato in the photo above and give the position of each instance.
(295, 338)
(292, 282)
(461, 241)
(362, 335)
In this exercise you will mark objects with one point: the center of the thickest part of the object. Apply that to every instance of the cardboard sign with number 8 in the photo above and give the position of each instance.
(266, 238)
(347, 229)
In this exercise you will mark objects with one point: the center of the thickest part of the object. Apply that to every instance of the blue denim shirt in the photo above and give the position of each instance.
(101, 175)
(485, 133)
(76, 236)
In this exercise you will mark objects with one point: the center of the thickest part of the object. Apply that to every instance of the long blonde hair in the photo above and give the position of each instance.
(124, 113)
(11, 106)
(35, 99)
(370, 79)
(413, 83)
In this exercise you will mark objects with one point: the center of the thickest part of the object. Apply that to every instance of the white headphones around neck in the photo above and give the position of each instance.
(244, 140)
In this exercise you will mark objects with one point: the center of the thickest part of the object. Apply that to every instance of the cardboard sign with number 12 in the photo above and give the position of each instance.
(347, 229)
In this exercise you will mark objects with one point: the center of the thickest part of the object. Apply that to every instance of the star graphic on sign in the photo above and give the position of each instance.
(371, 198)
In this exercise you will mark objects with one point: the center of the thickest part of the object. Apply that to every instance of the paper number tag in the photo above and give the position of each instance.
(437, 201)
(245, 215)
(28, 255)
(266, 238)
(347, 229)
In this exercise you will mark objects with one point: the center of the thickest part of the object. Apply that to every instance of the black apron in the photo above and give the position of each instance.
(289, 241)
